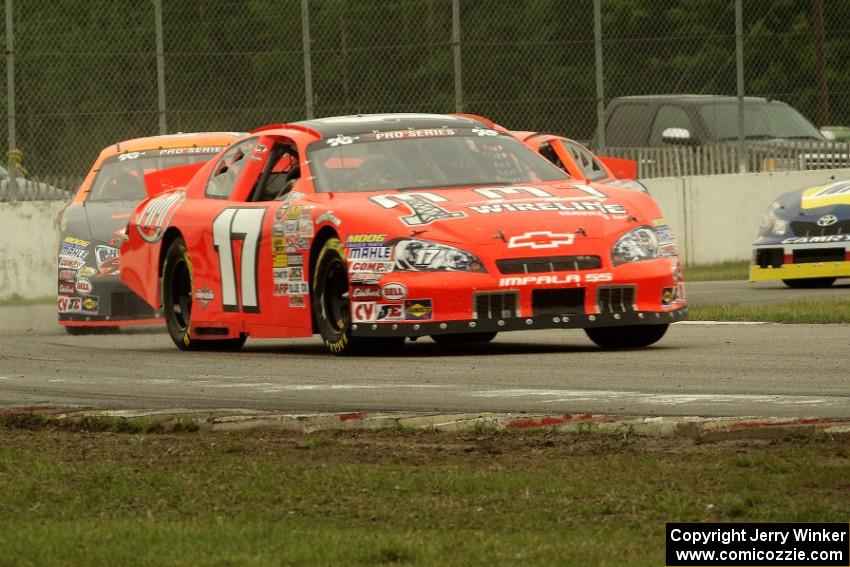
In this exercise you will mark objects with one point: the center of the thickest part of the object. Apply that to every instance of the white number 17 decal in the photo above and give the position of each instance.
(229, 226)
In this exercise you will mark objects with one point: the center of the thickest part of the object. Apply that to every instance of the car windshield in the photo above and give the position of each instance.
(122, 177)
(765, 120)
(418, 159)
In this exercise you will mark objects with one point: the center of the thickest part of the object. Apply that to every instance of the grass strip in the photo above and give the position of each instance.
(16, 300)
(395, 497)
(801, 311)
(738, 270)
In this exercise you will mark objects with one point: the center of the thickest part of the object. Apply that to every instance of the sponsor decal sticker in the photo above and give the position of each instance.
(71, 263)
(83, 286)
(297, 301)
(369, 266)
(67, 275)
(586, 207)
(364, 292)
(75, 304)
(76, 241)
(390, 312)
(298, 288)
(365, 240)
(73, 251)
(66, 288)
(424, 133)
(394, 291)
(363, 311)
(383, 253)
(294, 260)
(155, 217)
(203, 296)
(418, 310)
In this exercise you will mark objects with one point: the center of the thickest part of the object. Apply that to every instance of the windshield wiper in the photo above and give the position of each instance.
(452, 186)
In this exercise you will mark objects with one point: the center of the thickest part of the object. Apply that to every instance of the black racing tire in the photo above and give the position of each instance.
(627, 336)
(177, 302)
(332, 310)
(464, 338)
(809, 283)
(80, 330)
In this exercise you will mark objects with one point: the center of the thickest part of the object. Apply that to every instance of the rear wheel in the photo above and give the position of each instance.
(628, 336)
(809, 283)
(464, 338)
(177, 302)
(332, 310)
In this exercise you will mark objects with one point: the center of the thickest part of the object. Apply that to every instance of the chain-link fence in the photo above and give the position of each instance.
(84, 74)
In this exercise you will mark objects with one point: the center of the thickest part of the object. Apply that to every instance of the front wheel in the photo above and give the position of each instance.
(332, 310)
(177, 302)
(809, 283)
(628, 336)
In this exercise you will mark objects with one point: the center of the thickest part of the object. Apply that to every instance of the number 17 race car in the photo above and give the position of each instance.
(371, 229)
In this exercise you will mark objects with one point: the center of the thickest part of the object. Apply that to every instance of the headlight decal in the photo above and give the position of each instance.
(638, 244)
(414, 255)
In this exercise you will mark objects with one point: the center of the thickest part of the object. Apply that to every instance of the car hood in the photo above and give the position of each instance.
(484, 216)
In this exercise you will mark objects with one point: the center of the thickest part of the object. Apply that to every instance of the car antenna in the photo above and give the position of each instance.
(581, 231)
(416, 232)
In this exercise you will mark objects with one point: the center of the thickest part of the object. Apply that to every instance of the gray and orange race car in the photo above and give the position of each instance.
(91, 296)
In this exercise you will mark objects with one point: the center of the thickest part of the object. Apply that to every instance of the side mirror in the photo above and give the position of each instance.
(828, 134)
(681, 136)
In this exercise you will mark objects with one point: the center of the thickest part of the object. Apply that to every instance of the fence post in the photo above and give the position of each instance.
(739, 64)
(600, 93)
(457, 59)
(308, 65)
(10, 97)
(160, 67)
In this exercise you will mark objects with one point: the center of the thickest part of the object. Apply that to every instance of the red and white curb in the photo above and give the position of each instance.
(240, 420)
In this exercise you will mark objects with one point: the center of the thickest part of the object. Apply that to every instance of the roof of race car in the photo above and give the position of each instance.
(362, 123)
(173, 141)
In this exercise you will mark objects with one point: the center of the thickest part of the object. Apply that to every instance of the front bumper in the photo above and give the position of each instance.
(412, 329)
(792, 261)
(112, 304)
(642, 293)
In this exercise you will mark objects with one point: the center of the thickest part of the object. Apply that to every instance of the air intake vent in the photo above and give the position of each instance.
(495, 305)
(616, 299)
(768, 257)
(548, 264)
(803, 256)
(558, 301)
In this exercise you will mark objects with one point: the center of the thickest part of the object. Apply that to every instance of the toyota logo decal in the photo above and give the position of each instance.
(827, 220)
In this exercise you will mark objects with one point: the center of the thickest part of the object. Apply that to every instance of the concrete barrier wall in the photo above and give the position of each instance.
(716, 218)
(28, 243)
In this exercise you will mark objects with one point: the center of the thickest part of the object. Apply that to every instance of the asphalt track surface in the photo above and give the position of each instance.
(697, 369)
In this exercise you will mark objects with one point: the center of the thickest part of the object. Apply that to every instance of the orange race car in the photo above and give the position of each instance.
(371, 229)
(91, 296)
(582, 164)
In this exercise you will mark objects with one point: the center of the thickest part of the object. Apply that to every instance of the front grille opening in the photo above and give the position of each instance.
(557, 301)
(495, 305)
(129, 305)
(803, 256)
(548, 264)
(616, 299)
(774, 257)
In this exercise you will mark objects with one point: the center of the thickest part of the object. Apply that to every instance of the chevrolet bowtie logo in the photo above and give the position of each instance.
(541, 239)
